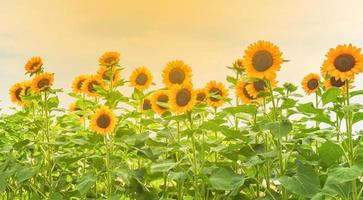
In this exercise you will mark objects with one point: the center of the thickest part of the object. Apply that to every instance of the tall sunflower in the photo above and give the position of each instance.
(105, 73)
(109, 59)
(160, 96)
(343, 62)
(176, 72)
(262, 59)
(216, 94)
(103, 121)
(89, 83)
(34, 65)
(310, 83)
(141, 78)
(182, 98)
(77, 83)
(42, 82)
(257, 86)
(242, 92)
(201, 94)
(16, 94)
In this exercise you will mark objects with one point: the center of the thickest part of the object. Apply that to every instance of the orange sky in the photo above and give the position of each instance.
(206, 34)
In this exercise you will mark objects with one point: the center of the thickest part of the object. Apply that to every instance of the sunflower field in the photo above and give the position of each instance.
(249, 137)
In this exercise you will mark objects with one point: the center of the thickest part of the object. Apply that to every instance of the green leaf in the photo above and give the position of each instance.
(330, 152)
(86, 182)
(331, 95)
(163, 166)
(225, 179)
(357, 117)
(26, 173)
(279, 129)
(232, 80)
(288, 103)
(53, 102)
(308, 108)
(305, 183)
(251, 109)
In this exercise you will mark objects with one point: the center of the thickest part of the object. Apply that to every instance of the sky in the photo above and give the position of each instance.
(206, 34)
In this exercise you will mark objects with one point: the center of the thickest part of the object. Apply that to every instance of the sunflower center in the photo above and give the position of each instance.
(245, 92)
(103, 121)
(216, 92)
(43, 83)
(183, 97)
(262, 60)
(201, 96)
(17, 94)
(344, 62)
(259, 85)
(176, 76)
(91, 86)
(79, 84)
(312, 84)
(336, 83)
(146, 105)
(141, 79)
(163, 99)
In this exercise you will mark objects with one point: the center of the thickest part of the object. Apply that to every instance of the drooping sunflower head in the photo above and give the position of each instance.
(34, 65)
(343, 62)
(182, 98)
(141, 78)
(257, 86)
(201, 94)
(146, 104)
(103, 121)
(242, 92)
(42, 82)
(159, 101)
(176, 72)
(109, 59)
(16, 94)
(238, 64)
(77, 83)
(88, 86)
(105, 74)
(262, 59)
(310, 83)
(216, 94)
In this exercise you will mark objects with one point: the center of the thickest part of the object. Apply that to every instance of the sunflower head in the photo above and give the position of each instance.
(42, 82)
(333, 82)
(310, 83)
(238, 64)
(176, 72)
(343, 62)
(77, 83)
(16, 92)
(105, 74)
(242, 92)
(146, 104)
(103, 121)
(141, 78)
(89, 83)
(262, 59)
(158, 100)
(34, 65)
(73, 107)
(201, 94)
(257, 86)
(182, 98)
(109, 59)
(216, 94)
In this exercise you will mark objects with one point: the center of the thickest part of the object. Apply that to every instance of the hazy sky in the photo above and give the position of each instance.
(206, 34)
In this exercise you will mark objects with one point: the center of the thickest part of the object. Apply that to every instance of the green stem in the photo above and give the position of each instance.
(47, 137)
(195, 166)
(109, 164)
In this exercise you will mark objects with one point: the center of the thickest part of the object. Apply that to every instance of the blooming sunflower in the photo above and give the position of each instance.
(343, 62)
(262, 59)
(310, 83)
(109, 58)
(42, 82)
(242, 92)
(105, 73)
(34, 65)
(89, 83)
(103, 121)
(78, 82)
(182, 98)
(146, 104)
(333, 82)
(257, 86)
(216, 94)
(160, 96)
(141, 78)
(16, 93)
(176, 72)
(201, 95)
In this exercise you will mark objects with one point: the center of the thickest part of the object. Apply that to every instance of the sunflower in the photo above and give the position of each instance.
(34, 65)
(257, 86)
(78, 82)
(182, 98)
(160, 96)
(42, 82)
(238, 64)
(176, 72)
(310, 83)
(141, 78)
(343, 62)
(105, 73)
(146, 104)
(216, 94)
(109, 58)
(333, 82)
(242, 93)
(201, 95)
(16, 93)
(26, 88)
(103, 121)
(262, 59)
(73, 107)
(89, 83)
